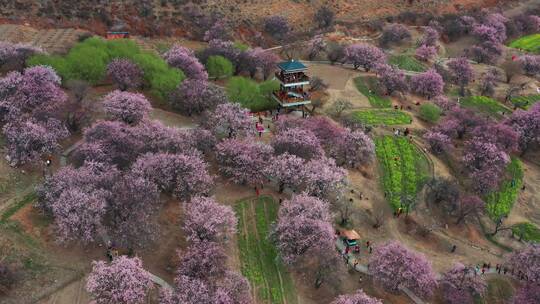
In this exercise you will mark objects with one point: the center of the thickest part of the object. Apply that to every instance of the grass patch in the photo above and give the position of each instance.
(529, 43)
(525, 102)
(259, 258)
(485, 104)
(430, 112)
(375, 100)
(404, 169)
(527, 232)
(499, 203)
(252, 95)
(388, 117)
(88, 61)
(30, 197)
(499, 291)
(407, 63)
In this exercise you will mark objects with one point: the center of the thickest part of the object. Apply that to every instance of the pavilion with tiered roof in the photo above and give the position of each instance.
(292, 79)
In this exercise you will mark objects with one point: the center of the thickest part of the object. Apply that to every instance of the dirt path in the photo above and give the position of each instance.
(172, 119)
(349, 93)
(73, 293)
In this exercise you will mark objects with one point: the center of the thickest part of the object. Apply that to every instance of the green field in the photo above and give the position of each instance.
(499, 203)
(404, 169)
(407, 63)
(527, 232)
(530, 43)
(387, 117)
(363, 85)
(260, 264)
(486, 105)
(526, 101)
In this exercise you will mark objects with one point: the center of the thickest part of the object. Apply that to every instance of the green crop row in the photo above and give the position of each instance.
(525, 102)
(403, 173)
(527, 232)
(388, 117)
(259, 257)
(529, 43)
(407, 63)
(375, 100)
(499, 203)
(486, 105)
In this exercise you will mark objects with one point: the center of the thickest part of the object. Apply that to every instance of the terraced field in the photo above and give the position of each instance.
(527, 232)
(529, 43)
(407, 63)
(385, 117)
(404, 170)
(363, 86)
(486, 105)
(270, 281)
(499, 203)
(526, 101)
(54, 41)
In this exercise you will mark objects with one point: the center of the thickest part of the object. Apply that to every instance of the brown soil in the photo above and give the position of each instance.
(166, 18)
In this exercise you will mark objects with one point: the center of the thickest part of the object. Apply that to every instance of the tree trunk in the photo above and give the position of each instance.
(459, 219)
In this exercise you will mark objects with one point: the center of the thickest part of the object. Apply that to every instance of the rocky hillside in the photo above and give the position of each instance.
(183, 17)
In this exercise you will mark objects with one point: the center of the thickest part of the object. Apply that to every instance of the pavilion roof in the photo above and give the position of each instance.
(350, 234)
(292, 66)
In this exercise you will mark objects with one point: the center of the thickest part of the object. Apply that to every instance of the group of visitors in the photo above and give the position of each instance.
(292, 77)
(398, 132)
(355, 250)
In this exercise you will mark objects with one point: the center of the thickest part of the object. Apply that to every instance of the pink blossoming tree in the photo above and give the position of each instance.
(462, 72)
(530, 64)
(244, 162)
(184, 175)
(355, 148)
(125, 74)
(133, 197)
(364, 55)
(207, 220)
(428, 84)
(300, 142)
(130, 108)
(184, 59)
(204, 261)
(359, 297)
(527, 125)
(78, 216)
(123, 281)
(195, 96)
(323, 178)
(392, 78)
(229, 120)
(287, 170)
(393, 265)
(426, 52)
(460, 285)
(526, 262)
